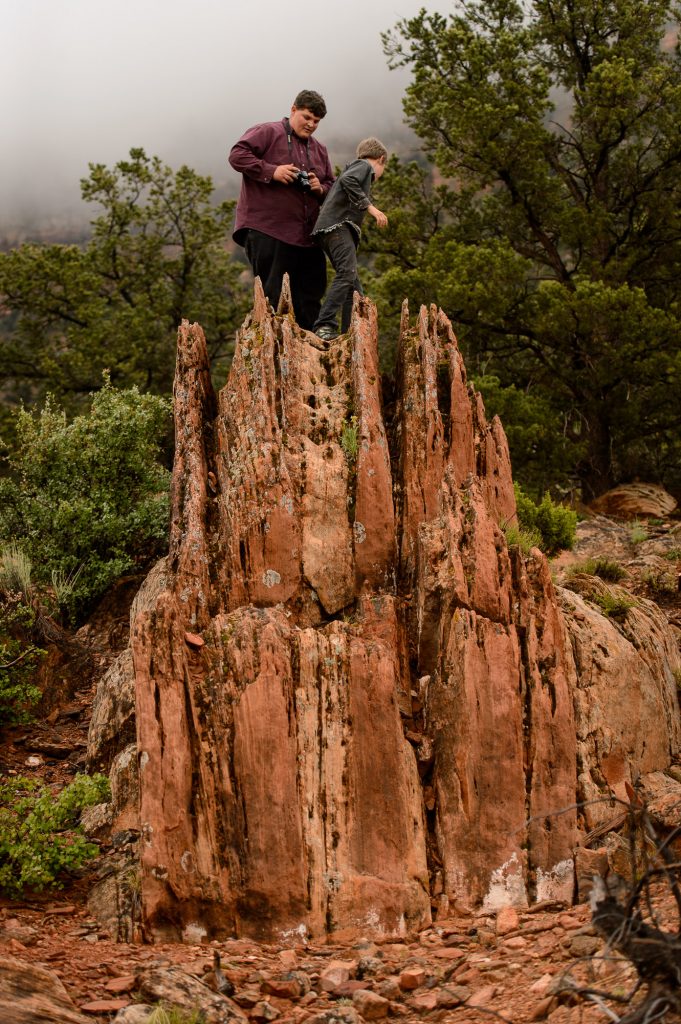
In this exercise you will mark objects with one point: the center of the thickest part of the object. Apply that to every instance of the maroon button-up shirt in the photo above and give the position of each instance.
(286, 212)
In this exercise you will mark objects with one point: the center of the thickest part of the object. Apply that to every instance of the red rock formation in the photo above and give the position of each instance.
(277, 790)
(329, 583)
(485, 632)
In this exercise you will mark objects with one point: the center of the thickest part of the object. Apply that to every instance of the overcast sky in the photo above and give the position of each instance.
(84, 80)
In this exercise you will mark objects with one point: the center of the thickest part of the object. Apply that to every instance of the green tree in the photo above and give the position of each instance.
(88, 498)
(558, 127)
(157, 254)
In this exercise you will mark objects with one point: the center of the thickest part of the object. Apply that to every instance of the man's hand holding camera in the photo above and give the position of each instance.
(285, 173)
(289, 174)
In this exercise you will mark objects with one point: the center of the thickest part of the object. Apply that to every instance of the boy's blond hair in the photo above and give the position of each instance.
(372, 149)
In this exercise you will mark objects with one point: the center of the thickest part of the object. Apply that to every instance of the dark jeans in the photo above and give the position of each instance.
(306, 268)
(340, 245)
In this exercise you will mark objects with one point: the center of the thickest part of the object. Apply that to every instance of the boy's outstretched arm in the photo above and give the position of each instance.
(378, 216)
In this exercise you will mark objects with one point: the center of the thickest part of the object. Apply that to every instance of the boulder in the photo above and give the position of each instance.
(30, 994)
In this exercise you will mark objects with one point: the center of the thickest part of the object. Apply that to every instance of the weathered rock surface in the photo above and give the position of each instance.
(33, 995)
(635, 499)
(350, 695)
(626, 703)
(173, 987)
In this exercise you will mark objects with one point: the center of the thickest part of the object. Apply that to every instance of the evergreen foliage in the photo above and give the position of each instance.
(158, 253)
(89, 497)
(554, 243)
(554, 524)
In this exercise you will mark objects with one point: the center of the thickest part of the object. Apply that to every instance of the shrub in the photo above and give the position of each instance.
(39, 835)
(614, 605)
(554, 523)
(661, 583)
(89, 498)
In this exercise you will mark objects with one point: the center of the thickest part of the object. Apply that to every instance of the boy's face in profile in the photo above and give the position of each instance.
(378, 166)
(303, 122)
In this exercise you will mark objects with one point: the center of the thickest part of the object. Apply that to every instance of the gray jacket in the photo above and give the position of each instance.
(348, 199)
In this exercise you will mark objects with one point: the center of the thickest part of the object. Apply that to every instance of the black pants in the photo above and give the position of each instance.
(340, 245)
(305, 266)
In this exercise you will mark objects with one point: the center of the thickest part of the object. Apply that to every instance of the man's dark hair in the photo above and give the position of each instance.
(308, 99)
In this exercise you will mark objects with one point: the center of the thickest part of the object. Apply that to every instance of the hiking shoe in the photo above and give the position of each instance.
(327, 333)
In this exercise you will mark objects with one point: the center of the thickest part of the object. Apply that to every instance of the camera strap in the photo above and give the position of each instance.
(289, 135)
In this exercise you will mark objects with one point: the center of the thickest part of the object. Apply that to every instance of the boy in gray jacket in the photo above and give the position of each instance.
(338, 230)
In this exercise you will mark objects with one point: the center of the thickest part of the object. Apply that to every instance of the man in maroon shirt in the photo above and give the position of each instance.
(286, 175)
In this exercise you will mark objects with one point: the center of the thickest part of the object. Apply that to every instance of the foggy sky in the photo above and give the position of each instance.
(84, 81)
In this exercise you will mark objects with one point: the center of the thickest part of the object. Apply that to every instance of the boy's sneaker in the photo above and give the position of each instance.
(327, 333)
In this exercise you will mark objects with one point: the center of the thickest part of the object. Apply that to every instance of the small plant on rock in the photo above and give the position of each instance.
(638, 533)
(174, 1015)
(614, 605)
(16, 571)
(524, 539)
(350, 438)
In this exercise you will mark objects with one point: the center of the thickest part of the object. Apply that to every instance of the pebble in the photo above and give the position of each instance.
(370, 1005)
(411, 978)
(104, 1005)
(508, 920)
(483, 996)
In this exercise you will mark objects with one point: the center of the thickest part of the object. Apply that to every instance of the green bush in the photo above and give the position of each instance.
(39, 836)
(89, 498)
(19, 660)
(555, 524)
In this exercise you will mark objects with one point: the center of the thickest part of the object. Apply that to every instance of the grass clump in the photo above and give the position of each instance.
(40, 838)
(16, 571)
(605, 568)
(638, 532)
(350, 438)
(174, 1015)
(555, 524)
(523, 539)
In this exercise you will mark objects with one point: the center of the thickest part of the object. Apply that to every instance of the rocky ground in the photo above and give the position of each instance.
(58, 965)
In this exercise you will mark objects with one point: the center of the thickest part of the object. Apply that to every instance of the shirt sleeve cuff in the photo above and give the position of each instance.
(268, 171)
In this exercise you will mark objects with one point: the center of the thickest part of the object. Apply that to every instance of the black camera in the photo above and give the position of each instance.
(303, 181)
